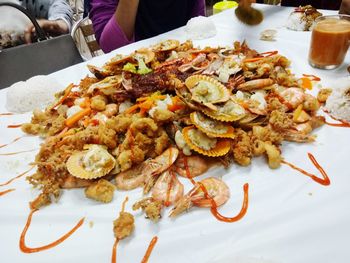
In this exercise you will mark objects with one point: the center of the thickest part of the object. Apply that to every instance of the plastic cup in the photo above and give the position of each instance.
(223, 5)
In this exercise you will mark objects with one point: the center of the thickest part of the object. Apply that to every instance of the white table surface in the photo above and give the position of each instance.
(290, 217)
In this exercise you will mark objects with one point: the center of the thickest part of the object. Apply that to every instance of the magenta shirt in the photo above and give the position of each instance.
(109, 34)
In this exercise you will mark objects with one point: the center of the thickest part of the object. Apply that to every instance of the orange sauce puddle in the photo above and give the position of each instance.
(324, 181)
(15, 140)
(14, 126)
(18, 176)
(149, 249)
(214, 208)
(14, 153)
(25, 249)
(6, 191)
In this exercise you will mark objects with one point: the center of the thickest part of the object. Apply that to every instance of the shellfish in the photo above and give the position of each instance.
(94, 163)
(206, 90)
(212, 128)
(203, 144)
(228, 112)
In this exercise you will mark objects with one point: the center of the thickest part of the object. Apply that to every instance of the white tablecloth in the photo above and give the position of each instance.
(290, 217)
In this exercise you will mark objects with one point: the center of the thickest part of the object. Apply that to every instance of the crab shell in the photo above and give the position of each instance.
(217, 92)
(229, 112)
(167, 45)
(210, 127)
(76, 168)
(221, 148)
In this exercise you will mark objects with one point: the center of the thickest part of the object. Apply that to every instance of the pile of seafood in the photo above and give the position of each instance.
(166, 111)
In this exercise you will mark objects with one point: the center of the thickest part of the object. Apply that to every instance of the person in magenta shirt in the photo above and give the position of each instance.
(120, 22)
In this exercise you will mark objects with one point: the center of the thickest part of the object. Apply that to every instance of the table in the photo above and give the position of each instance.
(290, 217)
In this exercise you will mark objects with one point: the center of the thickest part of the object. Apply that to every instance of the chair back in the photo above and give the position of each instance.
(84, 37)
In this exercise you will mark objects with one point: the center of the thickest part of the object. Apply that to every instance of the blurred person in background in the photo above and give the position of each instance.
(54, 16)
(120, 22)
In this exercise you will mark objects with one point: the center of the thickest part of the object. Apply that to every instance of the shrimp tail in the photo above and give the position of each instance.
(182, 205)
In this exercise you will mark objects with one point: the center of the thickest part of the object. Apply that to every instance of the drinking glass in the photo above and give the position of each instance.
(329, 41)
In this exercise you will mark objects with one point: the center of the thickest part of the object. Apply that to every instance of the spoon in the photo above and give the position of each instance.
(247, 14)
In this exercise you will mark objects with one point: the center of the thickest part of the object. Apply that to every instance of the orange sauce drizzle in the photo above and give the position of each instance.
(7, 191)
(324, 181)
(124, 203)
(312, 77)
(25, 249)
(15, 140)
(342, 123)
(214, 208)
(114, 250)
(13, 153)
(18, 176)
(149, 249)
(14, 126)
(6, 114)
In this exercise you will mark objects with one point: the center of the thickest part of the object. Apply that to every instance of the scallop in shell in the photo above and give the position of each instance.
(229, 111)
(212, 128)
(206, 90)
(203, 144)
(94, 163)
(167, 45)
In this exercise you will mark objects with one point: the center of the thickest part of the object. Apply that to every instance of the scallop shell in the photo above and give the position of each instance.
(228, 112)
(221, 148)
(212, 128)
(146, 54)
(167, 45)
(75, 164)
(206, 90)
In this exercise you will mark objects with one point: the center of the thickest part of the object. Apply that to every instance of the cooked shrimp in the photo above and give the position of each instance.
(168, 189)
(156, 166)
(216, 188)
(196, 165)
(293, 97)
(111, 110)
(74, 182)
(255, 84)
(130, 179)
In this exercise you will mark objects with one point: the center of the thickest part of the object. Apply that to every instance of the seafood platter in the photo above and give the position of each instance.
(199, 147)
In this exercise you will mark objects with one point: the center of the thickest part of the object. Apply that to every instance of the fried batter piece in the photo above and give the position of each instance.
(101, 191)
(151, 207)
(280, 120)
(124, 225)
(242, 148)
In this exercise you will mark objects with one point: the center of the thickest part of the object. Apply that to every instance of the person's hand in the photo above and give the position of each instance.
(51, 27)
(345, 7)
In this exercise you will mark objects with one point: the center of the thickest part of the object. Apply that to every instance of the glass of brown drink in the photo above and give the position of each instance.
(329, 41)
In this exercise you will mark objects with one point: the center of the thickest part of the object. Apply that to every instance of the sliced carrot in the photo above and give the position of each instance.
(66, 94)
(132, 108)
(86, 103)
(306, 83)
(76, 117)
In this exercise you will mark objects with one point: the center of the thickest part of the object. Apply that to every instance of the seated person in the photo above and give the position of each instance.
(54, 17)
(120, 22)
